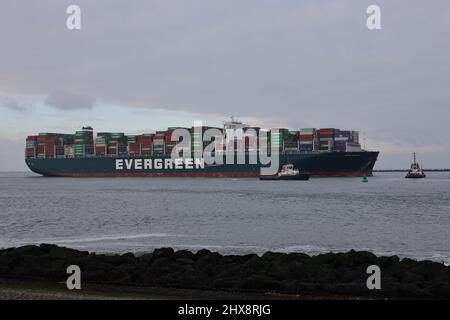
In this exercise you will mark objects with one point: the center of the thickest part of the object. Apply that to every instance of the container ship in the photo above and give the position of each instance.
(328, 152)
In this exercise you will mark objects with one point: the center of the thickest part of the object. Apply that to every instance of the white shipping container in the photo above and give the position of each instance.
(68, 151)
(355, 136)
(352, 147)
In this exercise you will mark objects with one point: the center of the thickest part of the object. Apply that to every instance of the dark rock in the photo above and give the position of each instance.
(260, 283)
(30, 251)
(272, 256)
(128, 255)
(117, 275)
(185, 254)
(256, 264)
(61, 252)
(225, 283)
(146, 258)
(297, 257)
(115, 260)
(163, 253)
(385, 262)
(184, 257)
(203, 252)
(205, 261)
(411, 290)
(294, 273)
(362, 258)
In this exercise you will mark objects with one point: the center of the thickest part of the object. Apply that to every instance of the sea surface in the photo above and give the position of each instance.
(387, 215)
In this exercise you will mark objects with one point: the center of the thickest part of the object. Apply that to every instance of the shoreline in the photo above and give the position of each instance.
(182, 274)
(11, 289)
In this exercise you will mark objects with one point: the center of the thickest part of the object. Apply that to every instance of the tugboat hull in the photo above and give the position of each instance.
(416, 172)
(415, 176)
(301, 176)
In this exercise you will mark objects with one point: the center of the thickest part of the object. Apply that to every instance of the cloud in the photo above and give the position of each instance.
(69, 101)
(400, 147)
(12, 155)
(285, 63)
(290, 61)
(13, 104)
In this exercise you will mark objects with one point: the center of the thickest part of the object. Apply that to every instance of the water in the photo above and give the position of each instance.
(387, 215)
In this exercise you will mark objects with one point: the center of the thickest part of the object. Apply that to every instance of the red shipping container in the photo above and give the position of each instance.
(50, 151)
(308, 137)
(143, 145)
(41, 139)
(145, 139)
(32, 138)
(134, 147)
(100, 149)
(326, 133)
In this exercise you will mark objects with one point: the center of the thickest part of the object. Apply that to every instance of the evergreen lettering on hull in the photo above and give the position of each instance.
(155, 164)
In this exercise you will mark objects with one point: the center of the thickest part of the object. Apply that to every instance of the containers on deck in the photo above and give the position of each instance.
(82, 143)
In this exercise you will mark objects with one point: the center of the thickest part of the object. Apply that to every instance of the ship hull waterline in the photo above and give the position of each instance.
(332, 164)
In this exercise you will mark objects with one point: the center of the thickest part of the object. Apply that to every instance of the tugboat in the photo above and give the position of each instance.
(416, 172)
(287, 172)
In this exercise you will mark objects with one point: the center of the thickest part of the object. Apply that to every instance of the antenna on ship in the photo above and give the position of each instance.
(364, 147)
(364, 140)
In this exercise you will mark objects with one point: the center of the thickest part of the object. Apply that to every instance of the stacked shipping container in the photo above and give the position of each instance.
(159, 143)
(146, 143)
(308, 139)
(278, 139)
(326, 138)
(81, 144)
(133, 148)
(291, 143)
(101, 144)
(30, 147)
(341, 138)
(116, 143)
(169, 143)
(197, 134)
(251, 142)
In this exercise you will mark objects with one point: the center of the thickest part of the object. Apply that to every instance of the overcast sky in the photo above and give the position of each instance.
(142, 65)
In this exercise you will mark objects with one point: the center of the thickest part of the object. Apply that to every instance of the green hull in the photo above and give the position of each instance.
(316, 164)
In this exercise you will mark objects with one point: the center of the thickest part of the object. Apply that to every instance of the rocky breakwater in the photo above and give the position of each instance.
(331, 274)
